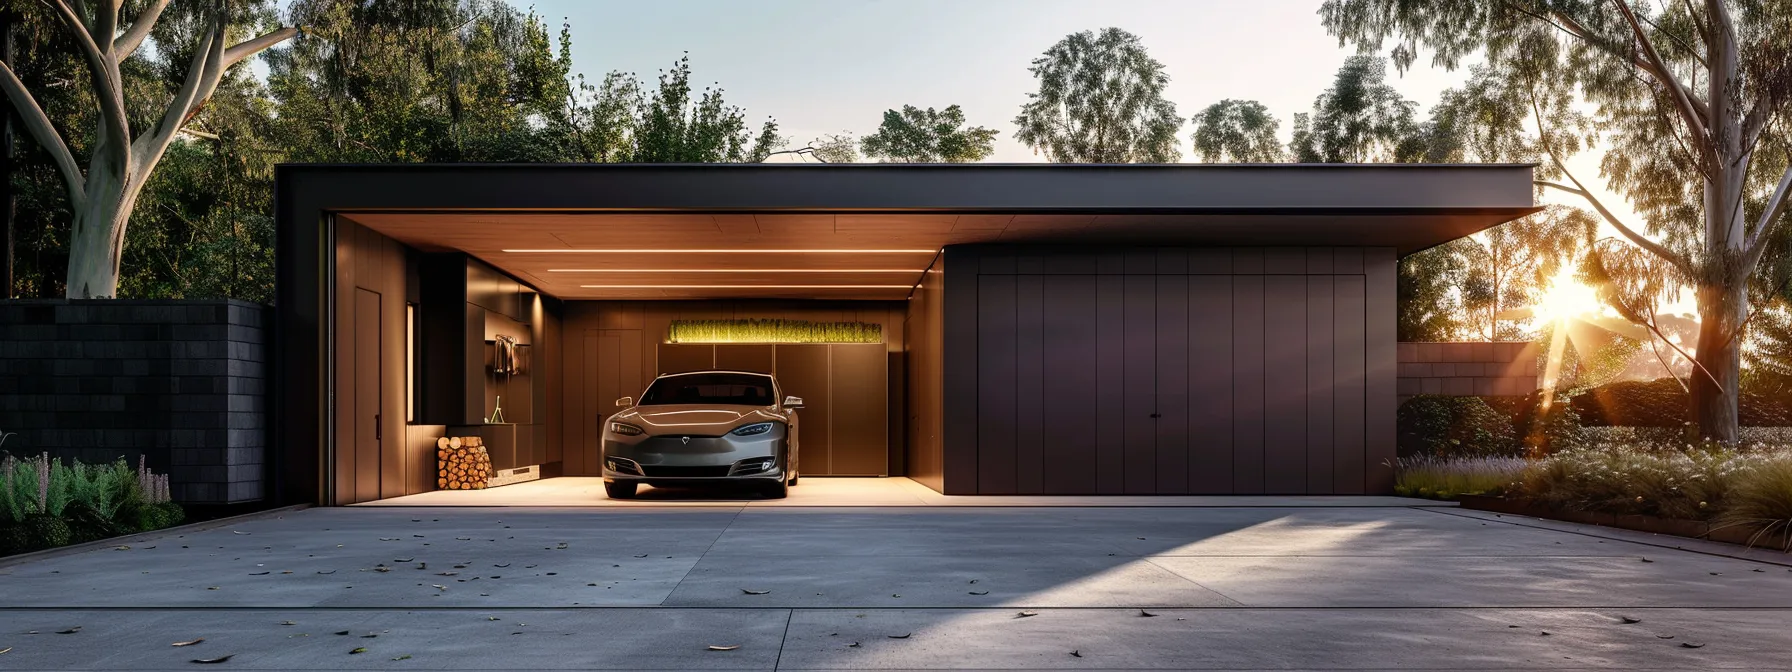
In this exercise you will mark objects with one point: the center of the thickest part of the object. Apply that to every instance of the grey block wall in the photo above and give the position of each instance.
(182, 382)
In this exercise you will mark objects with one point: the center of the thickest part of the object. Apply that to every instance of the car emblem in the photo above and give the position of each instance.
(686, 440)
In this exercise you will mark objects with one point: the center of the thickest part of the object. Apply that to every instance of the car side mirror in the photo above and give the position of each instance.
(625, 402)
(793, 403)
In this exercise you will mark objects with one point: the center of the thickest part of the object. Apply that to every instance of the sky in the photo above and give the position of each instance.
(833, 66)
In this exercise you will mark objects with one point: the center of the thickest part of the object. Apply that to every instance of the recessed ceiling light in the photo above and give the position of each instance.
(735, 270)
(747, 286)
(563, 250)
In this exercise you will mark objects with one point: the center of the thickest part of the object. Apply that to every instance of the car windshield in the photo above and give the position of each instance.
(732, 389)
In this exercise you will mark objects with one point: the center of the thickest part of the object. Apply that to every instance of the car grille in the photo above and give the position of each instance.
(686, 472)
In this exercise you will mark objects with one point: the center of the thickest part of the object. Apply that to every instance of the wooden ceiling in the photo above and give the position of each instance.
(607, 255)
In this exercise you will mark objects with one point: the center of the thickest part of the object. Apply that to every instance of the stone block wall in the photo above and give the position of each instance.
(1466, 369)
(182, 382)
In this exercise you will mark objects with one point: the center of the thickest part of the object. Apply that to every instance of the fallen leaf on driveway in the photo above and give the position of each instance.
(342, 632)
(718, 647)
(121, 548)
(209, 661)
(979, 592)
(1076, 653)
(259, 573)
(403, 657)
(755, 592)
(901, 636)
(1664, 636)
(196, 641)
(358, 649)
(69, 631)
(388, 538)
(238, 532)
(853, 645)
(1629, 619)
(1026, 614)
(288, 623)
(5, 649)
(1647, 560)
(1146, 614)
(503, 565)
(1692, 645)
(403, 559)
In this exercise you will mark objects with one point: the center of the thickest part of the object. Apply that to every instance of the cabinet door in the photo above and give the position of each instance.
(802, 370)
(860, 408)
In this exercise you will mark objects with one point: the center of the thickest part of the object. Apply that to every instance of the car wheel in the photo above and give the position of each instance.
(793, 481)
(620, 489)
(777, 490)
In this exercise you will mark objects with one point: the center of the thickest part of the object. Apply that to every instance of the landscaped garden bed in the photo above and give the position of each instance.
(1736, 495)
(46, 503)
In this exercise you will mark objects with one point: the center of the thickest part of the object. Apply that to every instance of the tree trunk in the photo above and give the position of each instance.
(96, 243)
(1715, 396)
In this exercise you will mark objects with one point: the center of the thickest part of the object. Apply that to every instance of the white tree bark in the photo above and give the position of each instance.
(103, 197)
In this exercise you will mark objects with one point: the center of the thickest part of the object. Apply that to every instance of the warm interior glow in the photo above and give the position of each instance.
(563, 250)
(735, 270)
(747, 286)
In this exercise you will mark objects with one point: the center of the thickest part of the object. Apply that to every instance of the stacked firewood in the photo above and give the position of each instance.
(462, 463)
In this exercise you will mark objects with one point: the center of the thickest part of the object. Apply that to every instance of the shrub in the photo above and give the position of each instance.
(1446, 477)
(1762, 499)
(1555, 428)
(46, 502)
(1440, 426)
(45, 531)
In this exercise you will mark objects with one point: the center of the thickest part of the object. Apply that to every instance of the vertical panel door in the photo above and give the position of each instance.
(860, 425)
(366, 456)
(803, 371)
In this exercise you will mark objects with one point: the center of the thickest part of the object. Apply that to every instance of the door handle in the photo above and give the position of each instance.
(376, 427)
(1157, 415)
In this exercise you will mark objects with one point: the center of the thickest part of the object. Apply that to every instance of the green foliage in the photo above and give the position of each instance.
(46, 531)
(835, 148)
(1360, 119)
(1100, 100)
(1434, 477)
(773, 331)
(1510, 266)
(1448, 427)
(1692, 483)
(1430, 308)
(914, 135)
(1762, 498)
(1240, 131)
(674, 129)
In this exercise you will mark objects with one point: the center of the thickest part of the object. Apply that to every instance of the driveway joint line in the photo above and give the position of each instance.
(700, 556)
(1610, 537)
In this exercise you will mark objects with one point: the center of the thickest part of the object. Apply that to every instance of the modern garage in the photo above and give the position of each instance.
(974, 329)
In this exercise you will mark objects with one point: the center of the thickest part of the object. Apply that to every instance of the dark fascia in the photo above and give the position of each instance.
(967, 188)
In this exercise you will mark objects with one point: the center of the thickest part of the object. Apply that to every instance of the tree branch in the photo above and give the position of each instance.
(1776, 205)
(133, 37)
(105, 24)
(108, 87)
(202, 77)
(251, 47)
(45, 134)
(1696, 123)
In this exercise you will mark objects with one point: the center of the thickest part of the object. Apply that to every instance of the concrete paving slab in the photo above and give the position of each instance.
(590, 639)
(1258, 639)
(937, 581)
(1679, 580)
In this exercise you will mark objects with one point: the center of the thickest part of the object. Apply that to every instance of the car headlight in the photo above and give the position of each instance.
(750, 430)
(625, 429)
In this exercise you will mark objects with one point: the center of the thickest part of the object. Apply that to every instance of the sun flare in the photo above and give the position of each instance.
(1566, 297)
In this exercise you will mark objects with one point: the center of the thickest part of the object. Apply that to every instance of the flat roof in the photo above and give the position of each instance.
(617, 231)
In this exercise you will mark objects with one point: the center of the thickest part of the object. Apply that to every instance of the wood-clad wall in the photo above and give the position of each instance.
(923, 340)
(610, 350)
(372, 272)
(1168, 370)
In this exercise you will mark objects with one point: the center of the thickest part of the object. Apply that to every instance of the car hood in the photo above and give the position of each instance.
(698, 419)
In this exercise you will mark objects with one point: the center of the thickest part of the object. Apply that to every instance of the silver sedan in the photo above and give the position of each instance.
(703, 428)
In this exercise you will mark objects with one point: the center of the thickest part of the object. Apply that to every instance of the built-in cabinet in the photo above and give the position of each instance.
(473, 315)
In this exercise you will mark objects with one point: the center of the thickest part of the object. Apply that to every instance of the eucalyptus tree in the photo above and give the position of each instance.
(1691, 97)
(120, 161)
(1240, 131)
(1360, 119)
(1100, 100)
(914, 135)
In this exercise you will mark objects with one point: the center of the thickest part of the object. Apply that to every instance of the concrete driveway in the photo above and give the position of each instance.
(899, 588)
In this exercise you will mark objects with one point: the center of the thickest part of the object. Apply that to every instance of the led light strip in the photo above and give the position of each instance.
(746, 286)
(734, 270)
(732, 251)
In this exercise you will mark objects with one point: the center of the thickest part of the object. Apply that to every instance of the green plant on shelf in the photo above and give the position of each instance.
(773, 331)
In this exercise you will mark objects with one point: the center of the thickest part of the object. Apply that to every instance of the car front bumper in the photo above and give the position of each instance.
(670, 459)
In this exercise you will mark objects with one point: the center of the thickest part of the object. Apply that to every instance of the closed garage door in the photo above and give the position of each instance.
(1179, 371)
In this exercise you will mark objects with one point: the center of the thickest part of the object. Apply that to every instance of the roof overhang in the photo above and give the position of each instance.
(590, 231)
